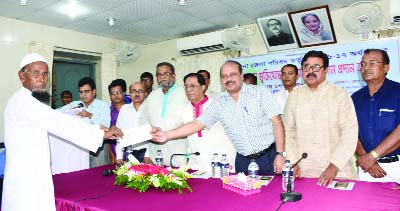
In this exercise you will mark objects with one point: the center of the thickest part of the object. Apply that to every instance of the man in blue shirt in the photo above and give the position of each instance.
(98, 113)
(378, 113)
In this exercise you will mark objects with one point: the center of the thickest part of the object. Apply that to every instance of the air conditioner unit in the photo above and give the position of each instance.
(202, 43)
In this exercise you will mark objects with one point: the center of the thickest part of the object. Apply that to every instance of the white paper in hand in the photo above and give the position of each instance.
(135, 135)
(132, 159)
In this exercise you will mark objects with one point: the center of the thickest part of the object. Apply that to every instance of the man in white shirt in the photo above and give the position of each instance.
(161, 110)
(289, 76)
(28, 122)
(129, 118)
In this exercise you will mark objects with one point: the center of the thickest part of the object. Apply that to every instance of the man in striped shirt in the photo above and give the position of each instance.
(249, 115)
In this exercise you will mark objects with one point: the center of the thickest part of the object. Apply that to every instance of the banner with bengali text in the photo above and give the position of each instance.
(344, 63)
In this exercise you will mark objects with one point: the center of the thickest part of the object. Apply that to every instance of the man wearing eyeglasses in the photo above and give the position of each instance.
(207, 142)
(250, 117)
(129, 118)
(378, 112)
(162, 109)
(320, 120)
(117, 90)
(97, 111)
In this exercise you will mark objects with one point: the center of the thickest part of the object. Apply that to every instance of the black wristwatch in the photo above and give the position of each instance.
(281, 154)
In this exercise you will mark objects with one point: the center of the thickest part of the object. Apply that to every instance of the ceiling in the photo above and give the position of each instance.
(151, 21)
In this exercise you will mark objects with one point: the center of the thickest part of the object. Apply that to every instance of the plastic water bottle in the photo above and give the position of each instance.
(159, 158)
(253, 169)
(128, 151)
(224, 166)
(215, 166)
(287, 172)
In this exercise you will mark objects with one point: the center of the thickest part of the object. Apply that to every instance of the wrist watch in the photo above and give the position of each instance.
(281, 154)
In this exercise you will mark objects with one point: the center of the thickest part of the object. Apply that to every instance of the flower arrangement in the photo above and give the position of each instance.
(141, 176)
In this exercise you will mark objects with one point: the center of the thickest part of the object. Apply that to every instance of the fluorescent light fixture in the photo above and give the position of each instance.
(182, 2)
(22, 2)
(111, 21)
(72, 9)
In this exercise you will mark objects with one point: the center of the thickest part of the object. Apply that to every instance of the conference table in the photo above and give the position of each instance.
(89, 190)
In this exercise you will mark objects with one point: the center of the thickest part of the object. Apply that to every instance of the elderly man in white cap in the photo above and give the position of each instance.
(28, 181)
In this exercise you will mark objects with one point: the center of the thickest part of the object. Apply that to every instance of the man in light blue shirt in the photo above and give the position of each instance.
(98, 113)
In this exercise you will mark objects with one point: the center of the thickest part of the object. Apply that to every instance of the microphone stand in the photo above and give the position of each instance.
(186, 155)
(289, 195)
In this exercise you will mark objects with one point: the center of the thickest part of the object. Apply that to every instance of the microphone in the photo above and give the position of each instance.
(107, 172)
(303, 156)
(289, 195)
(187, 155)
(80, 105)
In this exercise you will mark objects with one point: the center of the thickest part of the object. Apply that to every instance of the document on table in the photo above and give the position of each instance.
(341, 185)
(135, 135)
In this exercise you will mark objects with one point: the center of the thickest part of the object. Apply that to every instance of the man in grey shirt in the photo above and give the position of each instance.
(249, 115)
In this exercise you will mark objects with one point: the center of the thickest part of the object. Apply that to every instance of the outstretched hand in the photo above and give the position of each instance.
(159, 136)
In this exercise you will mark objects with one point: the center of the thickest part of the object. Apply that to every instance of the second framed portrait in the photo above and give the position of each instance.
(277, 32)
(313, 26)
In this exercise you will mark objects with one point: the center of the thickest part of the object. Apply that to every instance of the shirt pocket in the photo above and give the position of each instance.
(387, 121)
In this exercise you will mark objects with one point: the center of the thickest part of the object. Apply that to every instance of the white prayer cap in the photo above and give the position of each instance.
(30, 58)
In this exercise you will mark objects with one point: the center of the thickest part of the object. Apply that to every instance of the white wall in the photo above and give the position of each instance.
(15, 36)
(164, 51)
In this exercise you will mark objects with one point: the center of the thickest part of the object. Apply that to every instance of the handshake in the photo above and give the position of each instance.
(157, 135)
(112, 132)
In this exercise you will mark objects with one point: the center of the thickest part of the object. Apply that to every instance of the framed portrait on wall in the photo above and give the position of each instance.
(313, 26)
(277, 32)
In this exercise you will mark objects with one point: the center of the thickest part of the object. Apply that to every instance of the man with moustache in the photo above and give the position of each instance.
(250, 117)
(289, 76)
(320, 120)
(129, 118)
(28, 122)
(98, 113)
(161, 110)
(207, 142)
(278, 37)
(147, 79)
(378, 112)
(117, 90)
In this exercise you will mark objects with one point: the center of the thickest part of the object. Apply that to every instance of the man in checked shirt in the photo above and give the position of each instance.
(249, 115)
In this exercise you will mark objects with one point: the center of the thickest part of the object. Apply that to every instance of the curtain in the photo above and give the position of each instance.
(208, 61)
(108, 73)
(47, 51)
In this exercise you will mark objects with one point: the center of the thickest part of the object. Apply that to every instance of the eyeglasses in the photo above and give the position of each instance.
(314, 68)
(116, 93)
(137, 91)
(166, 74)
(37, 74)
(370, 62)
(85, 91)
(192, 86)
(230, 75)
